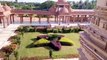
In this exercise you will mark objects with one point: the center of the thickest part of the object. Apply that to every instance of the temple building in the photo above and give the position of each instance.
(93, 39)
(61, 12)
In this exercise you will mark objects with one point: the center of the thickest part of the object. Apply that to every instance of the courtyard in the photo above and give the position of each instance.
(43, 51)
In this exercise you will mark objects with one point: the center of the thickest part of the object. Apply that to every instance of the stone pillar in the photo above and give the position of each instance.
(13, 18)
(10, 19)
(74, 18)
(48, 19)
(39, 19)
(59, 20)
(30, 15)
(64, 19)
(0, 20)
(77, 18)
(55, 18)
(3, 22)
(71, 19)
(82, 16)
(85, 19)
(7, 20)
(21, 18)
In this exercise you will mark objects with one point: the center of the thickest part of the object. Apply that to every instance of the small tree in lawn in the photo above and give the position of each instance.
(16, 54)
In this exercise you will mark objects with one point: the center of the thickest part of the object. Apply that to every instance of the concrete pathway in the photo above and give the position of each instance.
(6, 33)
(64, 59)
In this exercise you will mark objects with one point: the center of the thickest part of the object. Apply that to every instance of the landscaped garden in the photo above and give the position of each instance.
(43, 43)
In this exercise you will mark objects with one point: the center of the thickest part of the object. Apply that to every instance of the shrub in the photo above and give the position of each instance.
(60, 30)
(65, 30)
(56, 45)
(7, 49)
(55, 30)
(49, 30)
(31, 29)
(76, 30)
(41, 42)
(16, 39)
(53, 36)
(66, 41)
(2, 54)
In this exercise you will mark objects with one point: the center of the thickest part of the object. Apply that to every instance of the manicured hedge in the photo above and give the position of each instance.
(56, 45)
(41, 42)
(66, 41)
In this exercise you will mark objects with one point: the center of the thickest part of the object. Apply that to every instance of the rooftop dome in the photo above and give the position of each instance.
(64, 10)
(61, 1)
(1, 8)
(6, 7)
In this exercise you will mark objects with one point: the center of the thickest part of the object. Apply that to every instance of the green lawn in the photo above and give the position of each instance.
(25, 51)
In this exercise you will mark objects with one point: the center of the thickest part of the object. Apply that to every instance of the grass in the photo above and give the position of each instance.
(27, 40)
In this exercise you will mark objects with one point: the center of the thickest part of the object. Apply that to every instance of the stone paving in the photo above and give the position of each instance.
(6, 33)
(64, 59)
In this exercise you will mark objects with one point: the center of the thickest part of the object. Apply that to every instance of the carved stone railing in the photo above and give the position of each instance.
(100, 51)
(92, 52)
(20, 11)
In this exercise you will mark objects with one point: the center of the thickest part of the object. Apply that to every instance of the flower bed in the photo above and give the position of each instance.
(53, 40)
(41, 42)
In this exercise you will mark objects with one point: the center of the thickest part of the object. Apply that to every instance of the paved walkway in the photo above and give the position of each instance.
(6, 33)
(64, 59)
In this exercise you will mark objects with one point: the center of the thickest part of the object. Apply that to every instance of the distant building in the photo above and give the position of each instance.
(61, 12)
(94, 38)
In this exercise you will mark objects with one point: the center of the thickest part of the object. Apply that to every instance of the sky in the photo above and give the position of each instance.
(37, 0)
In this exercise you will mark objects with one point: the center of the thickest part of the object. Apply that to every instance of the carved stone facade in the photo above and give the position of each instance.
(94, 39)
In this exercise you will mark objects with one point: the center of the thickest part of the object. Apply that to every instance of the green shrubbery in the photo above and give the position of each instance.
(63, 30)
(66, 41)
(49, 30)
(41, 42)
(44, 42)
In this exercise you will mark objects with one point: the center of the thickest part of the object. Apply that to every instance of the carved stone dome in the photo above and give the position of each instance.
(61, 0)
(64, 10)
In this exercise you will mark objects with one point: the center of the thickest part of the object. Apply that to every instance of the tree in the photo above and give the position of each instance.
(16, 1)
(46, 5)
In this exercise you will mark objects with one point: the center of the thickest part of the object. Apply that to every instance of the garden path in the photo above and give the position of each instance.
(64, 59)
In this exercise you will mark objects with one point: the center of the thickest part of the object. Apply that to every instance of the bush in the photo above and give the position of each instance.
(15, 40)
(49, 30)
(65, 30)
(2, 54)
(41, 42)
(66, 41)
(76, 30)
(56, 45)
(31, 29)
(52, 36)
(55, 30)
